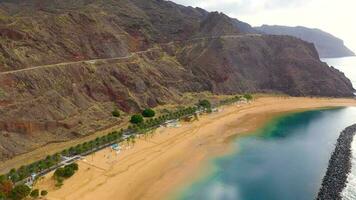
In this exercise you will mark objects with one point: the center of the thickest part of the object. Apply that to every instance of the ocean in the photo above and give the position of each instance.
(348, 66)
(286, 159)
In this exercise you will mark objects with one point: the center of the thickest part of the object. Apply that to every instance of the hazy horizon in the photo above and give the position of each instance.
(335, 17)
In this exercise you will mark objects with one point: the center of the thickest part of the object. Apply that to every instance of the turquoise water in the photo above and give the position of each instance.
(285, 160)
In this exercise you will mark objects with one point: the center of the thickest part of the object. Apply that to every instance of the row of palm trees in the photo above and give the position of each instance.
(16, 175)
(231, 100)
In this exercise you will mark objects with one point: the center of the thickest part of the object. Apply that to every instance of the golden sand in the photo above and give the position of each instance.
(156, 165)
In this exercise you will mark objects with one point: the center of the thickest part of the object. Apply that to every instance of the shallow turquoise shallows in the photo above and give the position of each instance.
(285, 160)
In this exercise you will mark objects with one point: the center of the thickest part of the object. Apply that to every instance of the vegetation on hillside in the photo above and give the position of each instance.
(116, 113)
(248, 97)
(230, 100)
(205, 104)
(148, 112)
(136, 119)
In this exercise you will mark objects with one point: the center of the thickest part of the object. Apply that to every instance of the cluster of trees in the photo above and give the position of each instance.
(36, 193)
(231, 100)
(148, 113)
(63, 173)
(36, 167)
(204, 104)
(154, 122)
(136, 119)
(248, 97)
(9, 191)
(23, 172)
(139, 118)
(234, 99)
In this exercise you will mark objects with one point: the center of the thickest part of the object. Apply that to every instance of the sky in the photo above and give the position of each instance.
(337, 17)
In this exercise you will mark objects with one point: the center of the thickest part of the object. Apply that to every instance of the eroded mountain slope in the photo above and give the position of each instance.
(178, 49)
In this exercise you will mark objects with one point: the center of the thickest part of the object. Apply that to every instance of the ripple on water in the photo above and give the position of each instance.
(349, 193)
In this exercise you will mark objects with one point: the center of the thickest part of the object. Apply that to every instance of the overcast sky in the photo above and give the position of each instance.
(337, 17)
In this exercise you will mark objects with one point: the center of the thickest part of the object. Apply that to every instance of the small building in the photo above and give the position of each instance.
(188, 118)
(215, 110)
(116, 147)
(243, 101)
(29, 181)
(172, 123)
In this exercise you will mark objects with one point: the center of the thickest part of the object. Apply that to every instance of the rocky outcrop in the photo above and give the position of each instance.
(178, 50)
(327, 45)
(335, 179)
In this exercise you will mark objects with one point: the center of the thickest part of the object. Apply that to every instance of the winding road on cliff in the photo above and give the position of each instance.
(93, 61)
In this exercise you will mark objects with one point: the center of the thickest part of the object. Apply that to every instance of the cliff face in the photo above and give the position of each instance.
(262, 63)
(327, 45)
(178, 49)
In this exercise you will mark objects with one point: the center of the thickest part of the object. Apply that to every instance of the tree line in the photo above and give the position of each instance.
(138, 126)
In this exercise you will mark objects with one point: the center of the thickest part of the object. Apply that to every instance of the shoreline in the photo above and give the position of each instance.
(157, 167)
(335, 179)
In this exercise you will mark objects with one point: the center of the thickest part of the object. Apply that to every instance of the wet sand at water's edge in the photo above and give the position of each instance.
(157, 164)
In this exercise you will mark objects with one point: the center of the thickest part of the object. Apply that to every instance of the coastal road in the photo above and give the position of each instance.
(93, 61)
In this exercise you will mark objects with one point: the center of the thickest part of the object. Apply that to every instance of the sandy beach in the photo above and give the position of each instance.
(158, 164)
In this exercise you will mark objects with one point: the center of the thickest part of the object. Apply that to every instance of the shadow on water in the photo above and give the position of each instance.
(286, 159)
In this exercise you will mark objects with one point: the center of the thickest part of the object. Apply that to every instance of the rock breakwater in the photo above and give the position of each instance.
(335, 179)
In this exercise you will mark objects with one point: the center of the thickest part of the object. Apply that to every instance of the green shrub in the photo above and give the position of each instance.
(35, 193)
(59, 172)
(248, 97)
(2, 178)
(59, 181)
(204, 103)
(136, 119)
(44, 193)
(73, 166)
(66, 172)
(2, 196)
(116, 113)
(20, 192)
(148, 113)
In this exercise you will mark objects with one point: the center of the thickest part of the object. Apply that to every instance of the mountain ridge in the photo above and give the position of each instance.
(327, 45)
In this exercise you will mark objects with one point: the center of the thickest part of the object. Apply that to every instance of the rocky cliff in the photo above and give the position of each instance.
(65, 64)
(327, 45)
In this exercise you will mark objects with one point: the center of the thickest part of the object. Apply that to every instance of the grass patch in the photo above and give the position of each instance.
(2, 93)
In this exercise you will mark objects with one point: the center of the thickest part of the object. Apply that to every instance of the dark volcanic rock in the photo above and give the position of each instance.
(335, 179)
